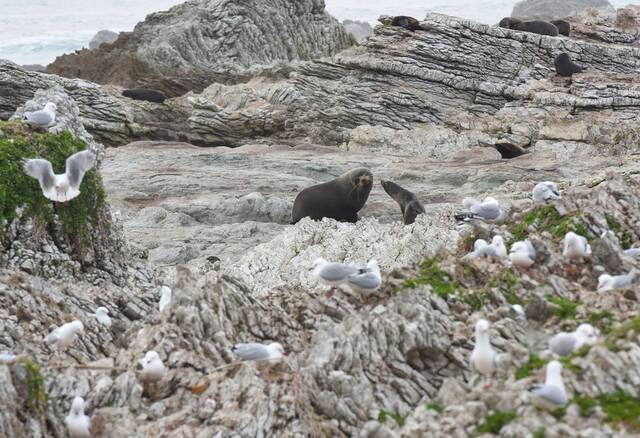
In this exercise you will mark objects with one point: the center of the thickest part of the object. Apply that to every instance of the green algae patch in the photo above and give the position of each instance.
(383, 416)
(430, 274)
(494, 422)
(566, 308)
(533, 363)
(36, 391)
(619, 408)
(547, 218)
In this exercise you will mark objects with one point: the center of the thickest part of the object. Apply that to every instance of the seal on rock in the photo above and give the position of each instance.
(340, 199)
(565, 67)
(408, 23)
(145, 94)
(536, 26)
(564, 28)
(409, 204)
(508, 22)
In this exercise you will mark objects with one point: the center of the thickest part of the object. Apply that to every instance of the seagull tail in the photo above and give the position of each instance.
(464, 217)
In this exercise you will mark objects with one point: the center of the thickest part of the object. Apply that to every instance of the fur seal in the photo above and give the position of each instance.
(564, 28)
(340, 199)
(565, 67)
(408, 23)
(409, 204)
(539, 27)
(508, 22)
(145, 94)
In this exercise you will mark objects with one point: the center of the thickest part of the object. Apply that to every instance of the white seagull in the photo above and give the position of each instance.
(102, 315)
(7, 358)
(366, 280)
(608, 282)
(42, 118)
(63, 336)
(258, 352)
(632, 252)
(546, 191)
(481, 248)
(552, 395)
(64, 187)
(565, 343)
(152, 367)
(332, 274)
(522, 254)
(484, 359)
(78, 424)
(489, 209)
(575, 246)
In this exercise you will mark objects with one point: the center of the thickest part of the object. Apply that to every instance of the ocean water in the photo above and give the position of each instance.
(36, 31)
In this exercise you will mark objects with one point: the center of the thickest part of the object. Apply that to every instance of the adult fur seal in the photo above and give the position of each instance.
(144, 94)
(340, 199)
(563, 27)
(565, 67)
(539, 27)
(508, 22)
(408, 23)
(409, 204)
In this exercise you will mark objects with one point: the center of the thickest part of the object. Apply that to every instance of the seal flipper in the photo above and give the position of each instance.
(412, 211)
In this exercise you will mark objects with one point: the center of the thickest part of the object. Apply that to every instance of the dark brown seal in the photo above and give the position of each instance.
(408, 23)
(144, 94)
(508, 22)
(539, 27)
(409, 204)
(565, 67)
(340, 199)
(564, 28)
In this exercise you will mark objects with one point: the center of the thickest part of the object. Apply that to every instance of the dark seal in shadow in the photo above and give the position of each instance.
(508, 22)
(564, 28)
(340, 199)
(408, 23)
(144, 94)
(539, 27)
(565, 67)
(506, 150)
(409, 204)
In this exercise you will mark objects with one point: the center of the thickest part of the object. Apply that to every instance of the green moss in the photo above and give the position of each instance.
(619, 408)
(430, 274)
(603, 320)
(384, 415)
(631, 326)
(541, 432)
(36, 391)
(17, 189)
(548, 219)
(506, 282)
(435, 407)
(625, 237)
(567, 308)
(585, 404)
(534, 363)
(494, 423)
(474, 300)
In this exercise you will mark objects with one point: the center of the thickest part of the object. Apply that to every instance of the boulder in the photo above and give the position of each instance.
(102, 37)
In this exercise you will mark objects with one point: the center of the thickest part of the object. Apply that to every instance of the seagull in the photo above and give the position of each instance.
(632, 252)
(259, 352)
(42, 118)
(332, 274)
(489, 209)
(7, 358)
(564, 344)
(484, 359)
(552, 394)
(482, 249)
(519, 311)
(64, 187)
(608, 282)
(522, 254)
(575, 246)
(366, 280)
(165, 298)
(63, 336)
(77, 422)
(546, 191)
(152, 367)
(102, 315)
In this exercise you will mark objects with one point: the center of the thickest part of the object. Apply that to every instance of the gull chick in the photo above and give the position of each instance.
(42, 118)
(481, 248)
(484, 359)
(152, 367)
(63, 336)
(64, 187)
(489, 209)
(102, 315)
(552, 394)
(565, 343)
(575, 246)
(523, 254)
(78, 424)
(366, 280)
(608, 282)
(546, 191)
(258, 352)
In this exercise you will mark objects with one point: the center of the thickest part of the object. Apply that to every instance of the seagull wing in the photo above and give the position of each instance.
(563, 344)
(251, 351)
(486, 211)
(42, 171)
(40, 118)
(77, 166)
(53, 337)
(366, 281)
(550, 393)
(334, 272)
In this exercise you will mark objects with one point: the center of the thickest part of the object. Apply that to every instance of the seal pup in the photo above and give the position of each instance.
(340, 199)
(409, 204)
(408, 23)
(565, 67)
(145, 94)
(564, 28)
(536, 26)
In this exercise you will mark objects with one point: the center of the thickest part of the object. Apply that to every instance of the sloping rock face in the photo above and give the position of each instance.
(199, 42)
(102, 37)
(623, 27)
(553, 10)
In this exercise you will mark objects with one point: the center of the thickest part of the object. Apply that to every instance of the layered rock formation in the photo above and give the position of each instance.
(102, 37)
(623, 27)
(554, 10)
(196, 43)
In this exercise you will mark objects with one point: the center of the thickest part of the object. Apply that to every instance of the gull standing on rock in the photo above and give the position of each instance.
(332, 274)
(63, 336)
(481, 248)
(367, 280)
(575, 246)
(565, 343)
(523, 254)
(489, 209)
(608, 282)
(546, 191)
(78, 424)
(165, 298)
(64, 187)
(484, 359)
(152, 367)
(42, 118)
(102, 315)
(552, 394)
(258, 352)
(632, 252)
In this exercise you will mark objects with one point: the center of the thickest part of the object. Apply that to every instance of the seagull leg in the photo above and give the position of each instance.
(329, 294)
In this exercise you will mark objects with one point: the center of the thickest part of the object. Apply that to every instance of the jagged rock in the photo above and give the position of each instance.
(553, 10)
(102, 37)
(595, 25)
(193, 44)
(359, 29)
(34, 67)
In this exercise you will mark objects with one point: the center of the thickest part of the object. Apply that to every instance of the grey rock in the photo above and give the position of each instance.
(102, 37)
(359, 29)
(553, 10)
